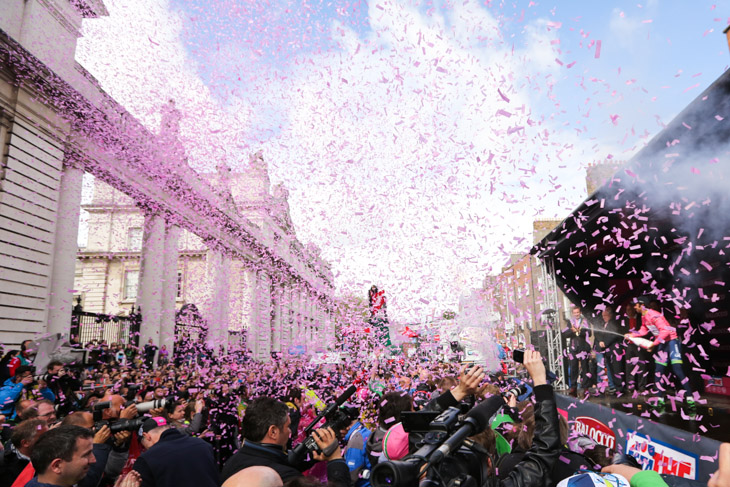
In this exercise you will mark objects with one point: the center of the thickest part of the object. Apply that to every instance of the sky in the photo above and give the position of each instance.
(418, 140)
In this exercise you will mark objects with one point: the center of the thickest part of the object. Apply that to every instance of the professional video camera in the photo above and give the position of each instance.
(335, 418)
(445, 456)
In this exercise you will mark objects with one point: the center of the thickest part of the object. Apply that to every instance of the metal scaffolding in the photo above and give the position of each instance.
(550, 319)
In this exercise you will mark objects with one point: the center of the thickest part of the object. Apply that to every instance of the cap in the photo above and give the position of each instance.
(395, 443)
(642, 300)
(152, 423)
(595, 479)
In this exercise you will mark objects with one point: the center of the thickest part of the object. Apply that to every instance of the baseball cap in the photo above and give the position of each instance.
(152, 423)
(395, 443)
(595, 479)
(642, 300)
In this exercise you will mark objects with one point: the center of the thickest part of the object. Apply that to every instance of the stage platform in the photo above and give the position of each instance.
(710, 418)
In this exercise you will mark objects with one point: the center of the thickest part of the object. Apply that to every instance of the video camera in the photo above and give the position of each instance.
(445, 455)
(336, 418)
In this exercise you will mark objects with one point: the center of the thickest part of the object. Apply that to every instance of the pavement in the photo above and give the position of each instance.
(709, 418)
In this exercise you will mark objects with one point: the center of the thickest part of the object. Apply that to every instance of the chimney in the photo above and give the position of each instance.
(727, 34)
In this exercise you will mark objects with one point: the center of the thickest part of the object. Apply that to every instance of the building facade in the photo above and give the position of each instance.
(56, 124)
(272, 313)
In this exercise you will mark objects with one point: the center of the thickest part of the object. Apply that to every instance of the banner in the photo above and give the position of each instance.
(658, 447)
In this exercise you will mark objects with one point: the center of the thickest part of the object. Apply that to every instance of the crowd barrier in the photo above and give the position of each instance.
(658, 447)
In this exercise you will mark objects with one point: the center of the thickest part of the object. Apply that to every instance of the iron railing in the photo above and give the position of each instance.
(87, 327)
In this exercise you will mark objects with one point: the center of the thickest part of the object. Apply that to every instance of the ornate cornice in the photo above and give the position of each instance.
(57, 14)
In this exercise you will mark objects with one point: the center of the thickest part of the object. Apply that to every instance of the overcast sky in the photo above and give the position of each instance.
(418, 141)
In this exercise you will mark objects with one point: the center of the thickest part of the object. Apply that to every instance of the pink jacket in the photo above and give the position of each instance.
(654, 322)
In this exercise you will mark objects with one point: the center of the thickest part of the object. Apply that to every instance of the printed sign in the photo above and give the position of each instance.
(661, 457)
(595, 430)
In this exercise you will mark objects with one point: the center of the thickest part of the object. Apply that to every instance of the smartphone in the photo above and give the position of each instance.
(518, 356)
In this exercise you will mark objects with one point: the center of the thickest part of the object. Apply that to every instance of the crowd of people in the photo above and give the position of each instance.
(614, 364)
(136, 417)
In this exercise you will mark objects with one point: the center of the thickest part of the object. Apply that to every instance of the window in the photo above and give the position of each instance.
(131, 283)
(134, 239)
(179, 284)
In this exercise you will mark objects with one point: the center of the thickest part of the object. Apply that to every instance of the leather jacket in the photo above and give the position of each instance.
(534, 470)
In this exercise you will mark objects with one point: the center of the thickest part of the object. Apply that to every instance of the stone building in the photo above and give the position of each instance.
(56, 124)
(108, 267)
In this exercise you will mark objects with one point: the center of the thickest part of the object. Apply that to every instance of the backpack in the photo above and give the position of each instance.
(374, 445)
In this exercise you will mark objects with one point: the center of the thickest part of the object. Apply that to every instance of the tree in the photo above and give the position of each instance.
(449, 315)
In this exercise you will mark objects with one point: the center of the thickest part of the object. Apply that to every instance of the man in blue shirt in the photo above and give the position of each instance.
(20, 387)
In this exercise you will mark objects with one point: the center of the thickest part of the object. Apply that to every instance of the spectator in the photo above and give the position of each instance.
(163, 358)
(101, 448)
(255, 477)
(391, 407)
(355, 438)
(17, 456)
(173, 459)
(5, 373)
(266, 430)
(62, 457)
(20, 387)
(23, 358)
(150, 349)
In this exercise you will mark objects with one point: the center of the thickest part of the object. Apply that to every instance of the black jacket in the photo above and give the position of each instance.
(178, 460)
(608, 333)
(579, 342)
(535, 468)
(11, 466)
(252, 454)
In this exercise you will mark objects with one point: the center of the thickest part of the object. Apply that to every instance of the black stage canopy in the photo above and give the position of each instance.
(661, 226)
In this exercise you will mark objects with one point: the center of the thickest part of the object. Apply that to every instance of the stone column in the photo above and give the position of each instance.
(217, 303)
(149, 296)
(169, 288)
(250, 315)
(277, 323)
(285, 306)
(60, 300)
(263, 294)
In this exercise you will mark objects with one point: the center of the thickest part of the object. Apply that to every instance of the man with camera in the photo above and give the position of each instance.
(355, 438)
(266, 431)
(533, 471)
(20, 387)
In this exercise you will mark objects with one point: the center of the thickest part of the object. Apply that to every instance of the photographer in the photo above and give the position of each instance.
(355, 438)
(266, 431)
(21, 387)
(534, 470)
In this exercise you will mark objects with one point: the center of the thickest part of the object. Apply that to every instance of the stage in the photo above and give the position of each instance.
(710, 418)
